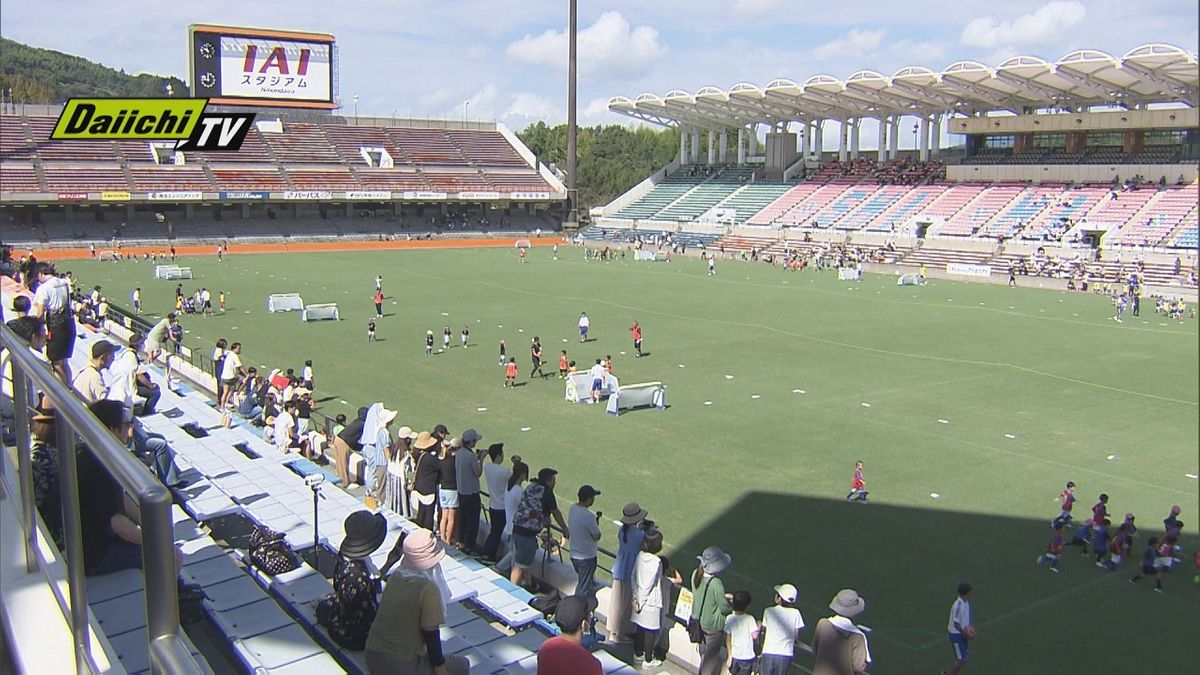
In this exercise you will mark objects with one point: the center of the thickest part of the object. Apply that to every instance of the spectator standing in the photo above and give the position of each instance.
(52, 304)
(218, 359)
(960, 628)
(513, 494)
(781, 625)
(376, 447)
(584, 543)
(566, 653)
(405, 637)
(468, 463)
(496, 475)
(839, 646)
(648, 599)
(533, 515)
(400, 465)
(629, 545)
(428, 473)
(711, 607)
(232, 372)
(346, 441)
(448, 491)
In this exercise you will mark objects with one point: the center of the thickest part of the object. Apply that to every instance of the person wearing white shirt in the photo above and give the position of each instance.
(584, 324)
(52, 304)
(781, 625)
(122, 374)
(960, 627)
(495, 476)
(646, 600)
(285, 428)
(741, 630)
(599, 374)
(89, 383)
(231, 372)
(512, 501)
(585, 535)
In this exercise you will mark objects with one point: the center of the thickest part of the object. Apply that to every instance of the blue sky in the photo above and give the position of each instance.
(508, 58)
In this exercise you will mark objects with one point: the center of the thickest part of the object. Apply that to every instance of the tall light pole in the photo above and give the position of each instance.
(466, 109)
(356, 108)
(572, 191)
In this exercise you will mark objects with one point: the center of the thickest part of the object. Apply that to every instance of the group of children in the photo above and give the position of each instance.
(1110, 545)
(464, 337)
(768, 644)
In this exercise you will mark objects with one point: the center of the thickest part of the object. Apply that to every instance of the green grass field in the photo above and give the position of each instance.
(1035, 388)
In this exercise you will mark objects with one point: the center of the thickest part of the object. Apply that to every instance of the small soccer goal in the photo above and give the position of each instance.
(910, 280)
(522, 243)
(324, 312)
(285, 302)
(107, 255)
(172, 272)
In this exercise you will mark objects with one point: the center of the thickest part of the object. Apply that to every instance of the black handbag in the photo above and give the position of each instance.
(271, 553)
(695, 632)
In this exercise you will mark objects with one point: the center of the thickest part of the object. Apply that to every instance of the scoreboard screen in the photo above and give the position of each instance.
(259, 67)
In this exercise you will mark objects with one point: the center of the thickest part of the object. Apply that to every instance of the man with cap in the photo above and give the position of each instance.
(585, 535)
(839, 646)
(428, 475)
(405, 637)
(566, 653)
(468, 467)
(89, 383)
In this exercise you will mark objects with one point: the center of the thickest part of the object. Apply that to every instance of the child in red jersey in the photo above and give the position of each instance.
(1053, 549)
(562, 365)
(858, 485)
(510, 373)
(1067, 497)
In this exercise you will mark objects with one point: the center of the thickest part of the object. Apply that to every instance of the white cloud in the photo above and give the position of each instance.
(529, 106)
(855, 43)
(1042, 27)
(610, 47)
(929, 53)
(755, 7)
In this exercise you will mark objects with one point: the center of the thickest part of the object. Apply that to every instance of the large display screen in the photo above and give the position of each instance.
(260, 67)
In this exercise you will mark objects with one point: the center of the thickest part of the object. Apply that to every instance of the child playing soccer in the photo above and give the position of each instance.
(221, 297)
(428, 343)
(446, 337)
(371, 330)
(503, 350)
(562, 365)
(1053, 548)
(1083, 535)
(464, 336)
(1067, 497)
(510, 373)
(1149, 556)
(608, 364)
(1100, 539)
(1117, 548)
(741, 632)
(858, 486)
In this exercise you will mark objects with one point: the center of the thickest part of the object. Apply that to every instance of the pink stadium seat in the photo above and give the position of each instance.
(20, 177)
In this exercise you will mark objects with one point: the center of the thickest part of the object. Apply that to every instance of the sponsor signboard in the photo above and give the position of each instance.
(530, 195)
(243, 195)
(255, 66)
(72, 196)
(381, 195)
(189, 195)
(479, 195)
(425, 195)
(308, 194)
(965, 270)
(115, 196)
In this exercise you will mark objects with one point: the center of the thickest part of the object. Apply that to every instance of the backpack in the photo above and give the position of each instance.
(271, 553)
(530, 514)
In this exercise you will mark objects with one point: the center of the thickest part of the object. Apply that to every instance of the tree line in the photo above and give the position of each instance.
(35, 75)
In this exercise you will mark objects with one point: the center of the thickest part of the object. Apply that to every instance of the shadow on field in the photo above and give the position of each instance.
(906, 562)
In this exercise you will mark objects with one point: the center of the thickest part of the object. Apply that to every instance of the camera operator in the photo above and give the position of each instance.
(585, 535)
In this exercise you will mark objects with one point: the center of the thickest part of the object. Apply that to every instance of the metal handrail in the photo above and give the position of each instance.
(168, 654)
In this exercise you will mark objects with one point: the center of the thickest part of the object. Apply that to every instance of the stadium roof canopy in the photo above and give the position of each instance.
(1083, 79)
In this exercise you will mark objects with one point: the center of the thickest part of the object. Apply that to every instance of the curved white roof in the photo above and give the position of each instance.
(1152, 73)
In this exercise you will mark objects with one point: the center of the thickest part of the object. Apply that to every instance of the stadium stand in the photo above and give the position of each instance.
(19, 177)
(752, 198)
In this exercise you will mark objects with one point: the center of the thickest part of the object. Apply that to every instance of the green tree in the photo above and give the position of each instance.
(46, 76)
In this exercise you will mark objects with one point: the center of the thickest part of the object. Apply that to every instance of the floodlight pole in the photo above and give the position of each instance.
(572, 191)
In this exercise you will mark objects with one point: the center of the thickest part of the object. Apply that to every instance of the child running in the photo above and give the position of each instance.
(371, 330)
(1149, 556)
(503, 352)
(1053, 548)
(1067, 497)
(858, 485)
(446, 337)
(510, 373)
(428, 343)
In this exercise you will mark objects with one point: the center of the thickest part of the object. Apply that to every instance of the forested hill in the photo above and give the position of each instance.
(45, 76)
(611, 158)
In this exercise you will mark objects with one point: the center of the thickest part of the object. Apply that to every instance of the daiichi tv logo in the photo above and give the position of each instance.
(182, 120)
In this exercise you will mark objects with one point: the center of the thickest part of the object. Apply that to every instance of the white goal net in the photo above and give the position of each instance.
(522, 243)
(285, 302)
(172, 272)
(320, 313)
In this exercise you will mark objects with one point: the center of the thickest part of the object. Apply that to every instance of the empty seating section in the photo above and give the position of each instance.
(1161, 216)
(748, 200)
(136, 151)
(1070, 206)
(952, 201)
(912, 203)
(301, 144)
(485, 148)
(783, 204)
(705, 195)
(349, 141)
(1119, 207)
(14, 144)
(870, 208)
(802, 214)
(249, 179)
(67, 179)
(1187, 235)
(391, 179)
(150, 178)
(516, 181)
(1155, 154)
(427, 146)
(660, 196)
(988, 204)
(1028, 204)
(454, 181)
(19, 178)
(40, 129)
(846, 202)
(329, 179)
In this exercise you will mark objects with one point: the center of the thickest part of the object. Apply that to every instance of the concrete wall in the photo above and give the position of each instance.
(1175, 118)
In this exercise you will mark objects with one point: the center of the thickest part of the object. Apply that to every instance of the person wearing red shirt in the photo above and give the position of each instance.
(1100, 510)
(565, 653)
(1067, 497)
(636, 330)
(378, 303)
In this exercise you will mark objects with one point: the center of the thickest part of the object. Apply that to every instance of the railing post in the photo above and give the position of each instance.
(158, 561)
(64, 440)
(20, 387)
